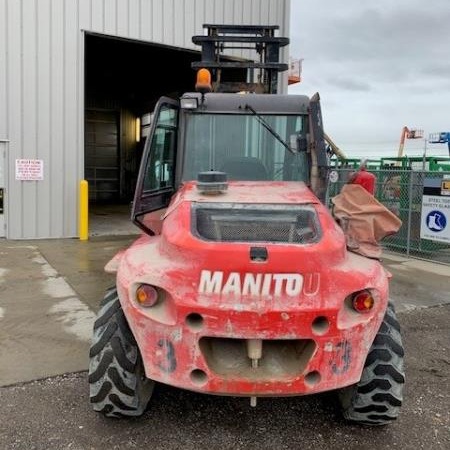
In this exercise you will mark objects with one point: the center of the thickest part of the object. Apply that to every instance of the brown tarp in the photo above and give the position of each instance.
(364, 220)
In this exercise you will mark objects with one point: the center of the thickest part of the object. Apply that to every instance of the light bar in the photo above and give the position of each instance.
(189, 103)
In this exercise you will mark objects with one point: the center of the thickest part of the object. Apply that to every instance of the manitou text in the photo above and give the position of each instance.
(254, 284)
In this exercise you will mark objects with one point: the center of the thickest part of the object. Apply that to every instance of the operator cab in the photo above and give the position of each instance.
(250, 137)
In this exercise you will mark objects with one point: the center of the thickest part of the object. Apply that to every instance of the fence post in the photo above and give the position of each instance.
(410, 191)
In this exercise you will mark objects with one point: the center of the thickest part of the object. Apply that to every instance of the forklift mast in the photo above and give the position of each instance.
(260, 76)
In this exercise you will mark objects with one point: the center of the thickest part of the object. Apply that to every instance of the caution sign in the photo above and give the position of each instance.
(435, 217)
(29, 169)
(445, 187)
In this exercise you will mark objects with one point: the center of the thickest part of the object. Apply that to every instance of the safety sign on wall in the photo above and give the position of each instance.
(29, 169)
(435, 217)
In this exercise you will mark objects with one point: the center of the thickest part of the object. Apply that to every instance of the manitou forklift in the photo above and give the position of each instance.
(241, 282)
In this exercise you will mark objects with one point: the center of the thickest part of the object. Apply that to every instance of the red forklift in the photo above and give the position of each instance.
(241, 282)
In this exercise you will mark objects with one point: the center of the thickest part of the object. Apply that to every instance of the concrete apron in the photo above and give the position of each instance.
(416, 283)
(49, 291)
(45, 328)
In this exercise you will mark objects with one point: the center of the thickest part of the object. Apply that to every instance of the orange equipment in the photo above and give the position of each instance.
(408, 134)
(334, 148)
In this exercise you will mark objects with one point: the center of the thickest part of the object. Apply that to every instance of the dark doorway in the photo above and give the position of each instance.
(123, 81)
(102, 163)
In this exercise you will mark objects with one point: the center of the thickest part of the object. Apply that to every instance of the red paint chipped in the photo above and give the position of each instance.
(190, 320)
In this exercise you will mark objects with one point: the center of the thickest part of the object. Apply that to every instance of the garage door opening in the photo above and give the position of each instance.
(123, 81)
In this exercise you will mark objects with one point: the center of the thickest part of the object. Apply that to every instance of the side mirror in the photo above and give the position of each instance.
(302, 143)
(298, 143)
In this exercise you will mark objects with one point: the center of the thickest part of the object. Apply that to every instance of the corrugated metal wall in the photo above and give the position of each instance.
(42, 92)
(3, 199)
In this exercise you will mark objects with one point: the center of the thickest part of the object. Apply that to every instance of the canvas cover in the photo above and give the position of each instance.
(364, 220)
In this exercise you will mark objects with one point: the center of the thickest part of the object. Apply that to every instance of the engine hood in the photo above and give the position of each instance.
(178, 235)
(248, 192)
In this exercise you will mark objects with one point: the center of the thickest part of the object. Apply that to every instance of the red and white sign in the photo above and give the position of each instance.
(29, 169)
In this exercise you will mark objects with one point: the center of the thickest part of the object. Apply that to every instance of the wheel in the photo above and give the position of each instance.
(377, 397)
(117, 383)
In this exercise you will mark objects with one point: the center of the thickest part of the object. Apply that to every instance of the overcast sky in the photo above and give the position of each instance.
(378, 66)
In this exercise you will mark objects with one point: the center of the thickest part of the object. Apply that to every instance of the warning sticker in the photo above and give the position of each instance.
(29, 169)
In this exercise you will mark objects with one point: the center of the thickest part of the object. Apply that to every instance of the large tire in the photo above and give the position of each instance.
(377, 397)
(117, 382)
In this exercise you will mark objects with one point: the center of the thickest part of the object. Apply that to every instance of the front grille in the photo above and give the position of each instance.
(247, 223)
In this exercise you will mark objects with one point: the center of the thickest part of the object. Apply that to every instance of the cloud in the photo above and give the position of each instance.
(385, 64)
(350, 84)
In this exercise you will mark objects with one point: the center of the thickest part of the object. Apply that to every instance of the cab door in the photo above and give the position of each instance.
(156, 180)
(319, 158)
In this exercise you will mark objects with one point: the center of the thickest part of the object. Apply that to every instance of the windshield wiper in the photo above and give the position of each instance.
(269, 128)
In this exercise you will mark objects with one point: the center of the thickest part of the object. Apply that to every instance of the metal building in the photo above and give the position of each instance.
(75, 77)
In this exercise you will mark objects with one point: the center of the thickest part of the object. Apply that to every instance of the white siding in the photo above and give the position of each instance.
(56, 168)
(42, 86)
(14, 94)
(3, 71)
(44, 129)
(28, 111)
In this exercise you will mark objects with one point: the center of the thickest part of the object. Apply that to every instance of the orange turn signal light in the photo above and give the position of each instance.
(363, 301)
(146, 295)
(203, 83)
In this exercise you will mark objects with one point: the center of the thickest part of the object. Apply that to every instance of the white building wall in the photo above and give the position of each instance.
(42, 91)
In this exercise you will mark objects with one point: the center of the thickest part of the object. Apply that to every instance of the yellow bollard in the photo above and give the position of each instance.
(83, 222)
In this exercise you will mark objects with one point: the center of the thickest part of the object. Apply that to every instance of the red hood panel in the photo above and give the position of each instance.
(254, 192)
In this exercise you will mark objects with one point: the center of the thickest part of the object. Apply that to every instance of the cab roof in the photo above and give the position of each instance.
(261, 103)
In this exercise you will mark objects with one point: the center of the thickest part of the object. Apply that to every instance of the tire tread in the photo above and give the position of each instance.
(377, 398)
(117, 382)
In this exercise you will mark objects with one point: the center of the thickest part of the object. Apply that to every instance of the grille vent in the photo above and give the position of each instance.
(246, 223)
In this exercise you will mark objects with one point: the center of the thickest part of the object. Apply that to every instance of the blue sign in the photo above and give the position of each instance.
(436, 221)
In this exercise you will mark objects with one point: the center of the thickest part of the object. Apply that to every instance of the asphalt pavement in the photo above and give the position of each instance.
(49, 293)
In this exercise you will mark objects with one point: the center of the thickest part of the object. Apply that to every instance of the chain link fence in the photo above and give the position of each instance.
(401, 191)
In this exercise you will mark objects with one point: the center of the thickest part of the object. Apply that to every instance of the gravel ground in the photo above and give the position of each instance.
(54, 413)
